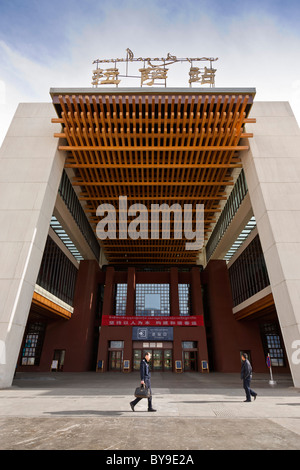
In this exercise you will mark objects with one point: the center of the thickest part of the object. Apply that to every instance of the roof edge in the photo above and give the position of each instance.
(153, 90)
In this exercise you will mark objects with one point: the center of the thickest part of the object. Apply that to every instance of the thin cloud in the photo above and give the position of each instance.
(255, 46)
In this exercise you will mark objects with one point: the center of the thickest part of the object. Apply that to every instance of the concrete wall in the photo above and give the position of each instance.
(272, 169)
(31, 169)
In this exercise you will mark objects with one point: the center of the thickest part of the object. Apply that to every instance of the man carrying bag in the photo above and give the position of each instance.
(145, 381)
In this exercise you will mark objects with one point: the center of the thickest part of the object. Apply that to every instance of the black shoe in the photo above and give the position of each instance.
(132, 407)
(255, 396)
(151, 409)
(247, 401)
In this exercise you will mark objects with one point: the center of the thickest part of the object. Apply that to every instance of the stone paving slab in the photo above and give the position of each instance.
(107, 433)
(63, 411)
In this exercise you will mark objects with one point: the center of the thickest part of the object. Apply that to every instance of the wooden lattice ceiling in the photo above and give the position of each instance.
(153, 147)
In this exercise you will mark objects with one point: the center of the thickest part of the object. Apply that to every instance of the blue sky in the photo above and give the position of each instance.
(46, 44)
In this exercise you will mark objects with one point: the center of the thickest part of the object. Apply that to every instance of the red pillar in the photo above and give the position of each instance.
(130, 310)
(225, 343)
(108, 297)
(174, 295)
(197, 305)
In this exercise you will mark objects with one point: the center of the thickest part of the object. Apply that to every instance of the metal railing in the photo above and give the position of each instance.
(248, 274)
(234, 201)
(57, 273)
(70, 198)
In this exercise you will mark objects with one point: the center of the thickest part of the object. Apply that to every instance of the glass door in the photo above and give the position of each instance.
(167, 359)
(137, 357)
(190, 360)
(157, 359)
(161, 359)
(115, 360)
(59, 357)
(151, 360)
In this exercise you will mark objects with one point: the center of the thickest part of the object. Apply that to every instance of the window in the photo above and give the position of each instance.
(241, 238)
(184, 299)
(58, 229)
(31, 352)
(116, 344)
(272, 344)
(189, 344)
(152, 299)
(120, 299)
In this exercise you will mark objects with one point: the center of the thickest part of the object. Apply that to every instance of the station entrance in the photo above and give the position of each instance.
(161, 359)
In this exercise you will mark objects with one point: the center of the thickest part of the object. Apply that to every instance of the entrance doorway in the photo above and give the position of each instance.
(189, 356)
(115, 360)
(115, 355)
(59, 359)
(161, 359)
(190, 361)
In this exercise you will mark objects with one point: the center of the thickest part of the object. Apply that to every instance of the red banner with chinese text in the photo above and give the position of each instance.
(114, 320)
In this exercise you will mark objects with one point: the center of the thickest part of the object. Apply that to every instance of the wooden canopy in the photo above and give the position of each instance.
(154, 147)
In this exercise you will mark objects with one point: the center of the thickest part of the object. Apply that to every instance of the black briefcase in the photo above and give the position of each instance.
(142, 392)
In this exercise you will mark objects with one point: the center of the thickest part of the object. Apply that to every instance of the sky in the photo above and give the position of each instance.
(52, 43)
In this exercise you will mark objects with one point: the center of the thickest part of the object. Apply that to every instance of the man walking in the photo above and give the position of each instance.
(246, 376)
(145, 380)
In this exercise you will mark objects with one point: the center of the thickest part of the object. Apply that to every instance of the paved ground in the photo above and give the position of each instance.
(89, 411)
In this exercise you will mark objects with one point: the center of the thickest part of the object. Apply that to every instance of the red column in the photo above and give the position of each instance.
(130, 308)
(174, 295)
(108, 298)
(225, 342)
(197, 305)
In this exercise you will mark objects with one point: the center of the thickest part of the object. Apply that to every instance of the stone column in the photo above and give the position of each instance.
(272, 169)
(31, 169)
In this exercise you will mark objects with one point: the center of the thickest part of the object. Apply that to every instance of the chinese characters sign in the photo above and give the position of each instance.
(115, 320)
(152, 334)
(152, 71)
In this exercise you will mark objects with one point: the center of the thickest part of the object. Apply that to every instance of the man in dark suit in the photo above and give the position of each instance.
(246, 376)
(145, 380)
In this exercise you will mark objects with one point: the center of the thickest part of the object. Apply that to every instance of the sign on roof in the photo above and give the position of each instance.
(152, 71)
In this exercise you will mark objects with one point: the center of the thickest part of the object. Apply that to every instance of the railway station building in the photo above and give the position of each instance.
(87, 284)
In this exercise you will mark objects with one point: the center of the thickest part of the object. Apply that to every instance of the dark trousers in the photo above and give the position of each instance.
(248, 390)
(148, 385)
